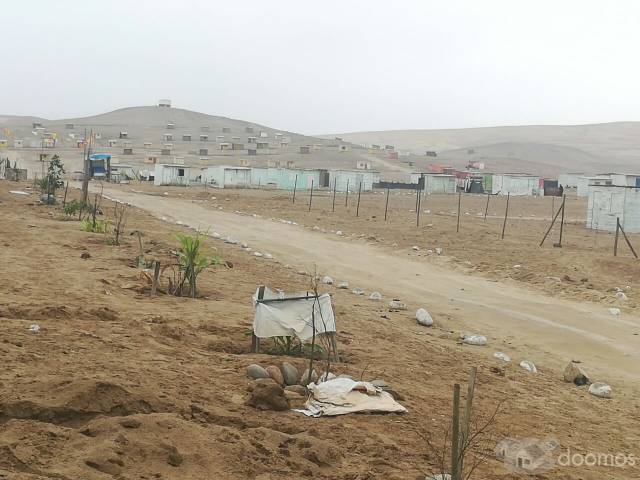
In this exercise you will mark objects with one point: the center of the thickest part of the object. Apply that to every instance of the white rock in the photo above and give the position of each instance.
(600, 389)
(502, 356)
(376, 296)
(244, 245)
(34, 327)
(268, 255)
(327, 280)
(339, 232)
(438, 251)
(257, 254)
(423, 317)
(343, 285)
(614, 311)
(357, 291)
(216, 235)
(416, 248)
(517, 266)
(429, 252)
(397, 305)
(529, 366)
(316, 227)
(621, 296)
(474, 339)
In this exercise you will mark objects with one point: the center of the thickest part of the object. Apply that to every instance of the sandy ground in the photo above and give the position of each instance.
(120, 385)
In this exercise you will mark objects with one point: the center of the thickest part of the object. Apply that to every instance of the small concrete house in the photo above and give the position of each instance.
(171, 174)
(304, 149)
(363, 165)
(203, 152)
(164, 102)
(69, 126)
(515, 184)
(224, 176)
(124, 134)
(584, 183)
(170, 126)
(186, 137)
(289, 178)
(18, 143)
(352, 179)
(204, 138)
(606, 203)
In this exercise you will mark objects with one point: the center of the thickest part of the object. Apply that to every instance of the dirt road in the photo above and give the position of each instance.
(526, 324)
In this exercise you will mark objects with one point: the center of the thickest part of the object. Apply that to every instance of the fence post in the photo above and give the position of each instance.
(346, 200)
(333, 208)
(358, 205)
(466, 422)
(458, 222)
(486, 209)
(311, 195)
(455, 434)
(418, 203)
(506, 213)
(156, 276)
(386, 206)
(615, 242)
(64, 201)
(295, 185)
(559, 244)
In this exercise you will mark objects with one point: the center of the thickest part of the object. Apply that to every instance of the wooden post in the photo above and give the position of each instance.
(311, 195)
(295, 185)
(346, 200)
(615, 242)
(506, 213)
(255, 341)
(627, 240)
(551, 226)
(458, 221)
(466, 422)
(419, 203)
(333, 207)
(486, 209)
(358, 205)
(64, 200)
(156, 276)
(553, 205)
(559, 244)
(334, 346)
(455, 434)
(386, 206)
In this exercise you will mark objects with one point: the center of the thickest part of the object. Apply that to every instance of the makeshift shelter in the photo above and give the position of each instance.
(171, 174)
(224, 176)
(122, 173)
(585, 182)
(289, 178)
(100, 166)
(520, 184)
(607, 203)
(352, 179)
(435, 182)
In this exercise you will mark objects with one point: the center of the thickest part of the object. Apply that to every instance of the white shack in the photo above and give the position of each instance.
(352, 179)
(608, 202)
(224, 176)
(584, 182)
(436, 182)
(515, 184)
(569, 180)
(171, 174)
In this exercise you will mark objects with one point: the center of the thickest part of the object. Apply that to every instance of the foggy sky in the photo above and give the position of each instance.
(327, 66)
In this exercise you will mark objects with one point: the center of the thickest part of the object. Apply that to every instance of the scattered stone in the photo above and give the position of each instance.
(266, 395)
(299, 389)
(343, 285)
(216, 235)
(528, 366)
(621, 296)
(34, 327)
(440, 476)
(276, 374)
(396, 305)
(301, 272)
(129, 422)
(614, 311)
(502, 356)
(244, 245)
(416, 248)
(474, 339)
(357, 291)
(257, 254)
(268, 256)
(423, 317)
(375, 296)
(517, 266)
(327, 280)
(600, 389)
(290, 373)
(255, 371)
(305, 376)
(497, 370)
(85, 255)
(573, 373)
(294, 399)
(339, 232)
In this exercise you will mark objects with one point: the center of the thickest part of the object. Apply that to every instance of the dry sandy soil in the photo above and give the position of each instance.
(119, 385)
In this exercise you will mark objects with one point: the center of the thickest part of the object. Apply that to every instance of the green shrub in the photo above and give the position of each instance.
(91, 226)
(192, 262)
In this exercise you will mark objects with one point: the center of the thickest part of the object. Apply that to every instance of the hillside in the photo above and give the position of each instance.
(537, 148)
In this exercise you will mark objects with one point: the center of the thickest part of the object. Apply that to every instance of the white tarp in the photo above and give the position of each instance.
(292, 317)
(340, 396)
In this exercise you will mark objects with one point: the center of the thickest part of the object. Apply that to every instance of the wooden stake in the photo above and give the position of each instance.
(559, 244)
(156, 276)
(386, 206)
(418, 203)
(333, 207)
(358, 205)
(458, 222)
(311, 195)
(466, 422)
(295, 185)
(551, 226)
(627, 240)
(255, 341)
(455, 434)
(486, 209)
(346, 200)
(506, 213)
(615, 242)
(64, 200)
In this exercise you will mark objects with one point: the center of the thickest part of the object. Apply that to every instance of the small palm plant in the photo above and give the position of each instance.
(192, 262)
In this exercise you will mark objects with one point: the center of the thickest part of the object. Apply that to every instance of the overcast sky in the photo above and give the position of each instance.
(327, 66)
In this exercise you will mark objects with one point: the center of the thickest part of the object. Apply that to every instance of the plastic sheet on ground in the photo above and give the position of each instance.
(292, 317)
(341, 396)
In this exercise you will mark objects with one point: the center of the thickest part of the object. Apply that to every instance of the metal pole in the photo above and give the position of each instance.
(486, 209)
(333, 207)
(506, 213)
(295, 185)
(311, 195)
(386, 206)
(455, 434)
(358, 206)
(346, 200)
(561, 222)
(458, 222)
(615, 243)
(418, 195)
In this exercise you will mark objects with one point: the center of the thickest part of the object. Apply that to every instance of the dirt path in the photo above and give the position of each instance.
(524, 323)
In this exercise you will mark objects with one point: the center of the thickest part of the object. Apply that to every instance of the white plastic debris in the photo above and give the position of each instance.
(244, 245)
(528, 366)
(614, 311)
(376, 296)
(216, 235)
(438, 251)
(268, 256)
(621, 296)
(502, 356)
(600, 389)
(18, 192)
(327, 280)
(517, 266)
(343, 285)
(415, 248)
(423, 317)
(339, 232)
(357, 291)
(34, 327)
(474, 339)
(257, 254)
(440, 476)
(316, 228)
